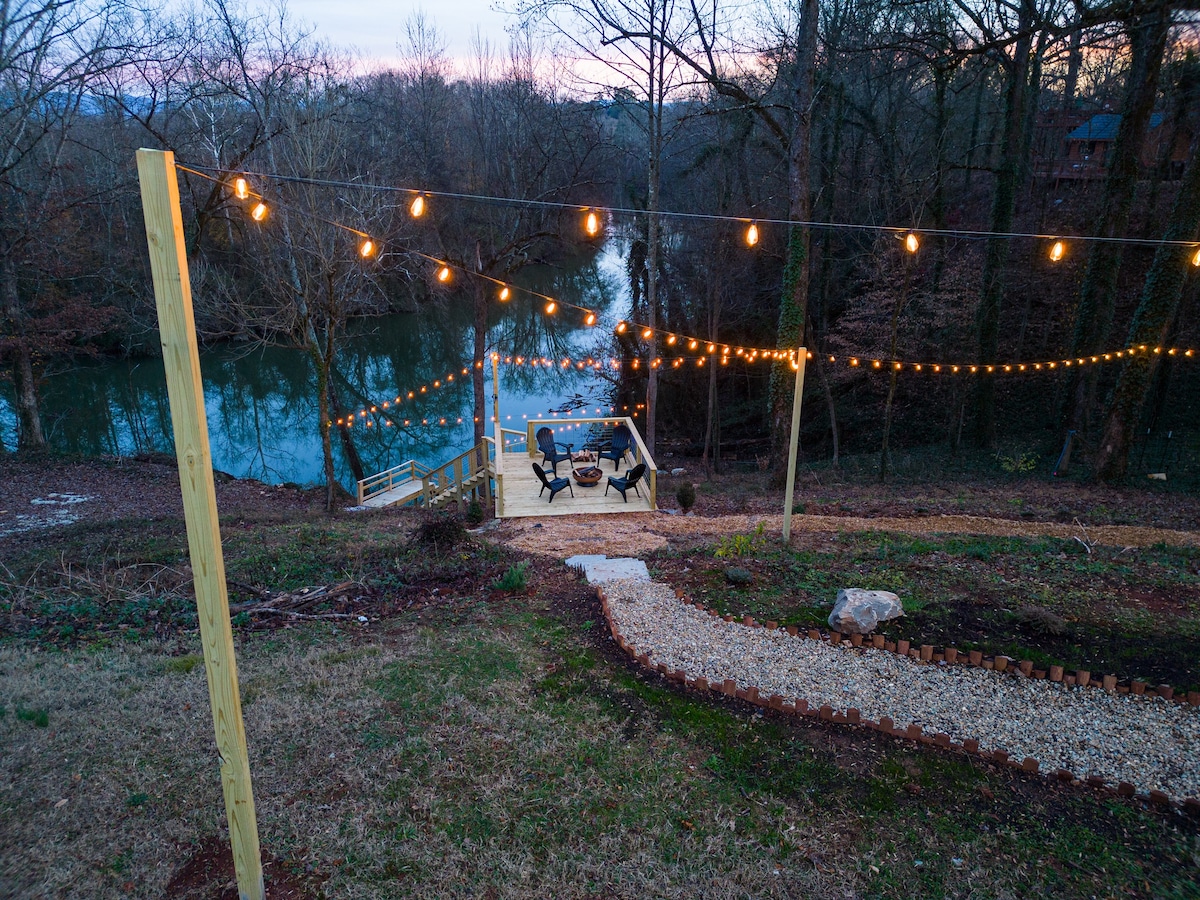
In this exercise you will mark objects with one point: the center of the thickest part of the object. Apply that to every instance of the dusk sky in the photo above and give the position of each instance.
(376, 27)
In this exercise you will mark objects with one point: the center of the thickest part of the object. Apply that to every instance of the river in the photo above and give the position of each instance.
(261, 400)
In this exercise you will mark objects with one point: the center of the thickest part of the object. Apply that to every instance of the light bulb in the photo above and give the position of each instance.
(416, 209)
(752, 235)
(241, 188)
(551, 307)
(621, 326)
(259, 212)
(1196, 259)
(647, 334)
(1057, 251)
(592, 224)
(692, 344)
(590, 319)
(505, 293)
(671, 339)
(443, 274)
(366, 248)
(912, 243)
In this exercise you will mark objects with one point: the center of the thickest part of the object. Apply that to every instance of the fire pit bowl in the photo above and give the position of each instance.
(587, 477)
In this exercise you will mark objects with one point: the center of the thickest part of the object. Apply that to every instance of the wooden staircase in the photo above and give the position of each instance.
(455, 481)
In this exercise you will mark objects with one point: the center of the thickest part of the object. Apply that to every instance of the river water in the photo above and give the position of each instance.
(261, 400)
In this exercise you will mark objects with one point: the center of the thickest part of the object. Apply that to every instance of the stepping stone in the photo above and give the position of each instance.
(598, 568)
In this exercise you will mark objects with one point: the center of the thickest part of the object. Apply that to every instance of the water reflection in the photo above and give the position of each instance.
(261, 402)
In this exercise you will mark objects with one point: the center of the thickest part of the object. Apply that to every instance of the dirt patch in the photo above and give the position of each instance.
(209, 875)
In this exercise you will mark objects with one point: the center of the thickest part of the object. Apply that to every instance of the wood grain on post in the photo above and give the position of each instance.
(794, 443)
(173, 297)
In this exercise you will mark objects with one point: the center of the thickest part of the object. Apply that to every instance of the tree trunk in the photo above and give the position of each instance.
(326, 419)
(656, 96)
(30, 437)
(1003, 210)
(479, 401)
(1158, 305)
(794, 302)
(1097, 294)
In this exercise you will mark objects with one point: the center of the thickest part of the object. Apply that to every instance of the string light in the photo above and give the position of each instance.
(416, 209)
(1057, 251)
(259, 212)
(621, 327)
(911, 242)
(1196, 259)
(590, 318)
(241, 189)
(752, 235)
(366, 249)
(592, 223)
(647, 334)
(444, 274)
(551, 308)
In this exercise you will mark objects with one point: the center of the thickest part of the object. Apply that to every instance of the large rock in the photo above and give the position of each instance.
(858, 611)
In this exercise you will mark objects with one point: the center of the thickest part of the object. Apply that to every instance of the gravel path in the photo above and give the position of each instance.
(1146, 741)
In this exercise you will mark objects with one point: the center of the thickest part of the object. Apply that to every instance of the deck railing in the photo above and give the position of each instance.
(639, 451)
(406, 472)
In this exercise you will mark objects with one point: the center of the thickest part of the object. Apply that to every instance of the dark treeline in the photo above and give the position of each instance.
(1037, 117)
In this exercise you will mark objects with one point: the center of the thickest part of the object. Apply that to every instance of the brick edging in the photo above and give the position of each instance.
(913, 732)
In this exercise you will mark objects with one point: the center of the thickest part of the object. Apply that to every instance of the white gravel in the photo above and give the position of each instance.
(1144, 740)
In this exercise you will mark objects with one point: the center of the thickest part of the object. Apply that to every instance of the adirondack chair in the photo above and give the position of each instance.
(616, 448)
(549, 448)
(554, 485)
(631, 479)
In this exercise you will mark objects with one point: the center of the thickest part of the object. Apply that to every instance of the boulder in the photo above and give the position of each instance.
(858, 611)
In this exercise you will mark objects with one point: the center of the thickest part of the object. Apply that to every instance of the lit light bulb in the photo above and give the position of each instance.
(621, 326)
(647, 334)
(1196, 259)
(259, 212)
(592, 224)
(752, 235)
(692, 344)
(1057, 251)
(241, 188)
(505, 293)
(443, 274)
(366, 249)
(551, 308)
(671, 339)
(590, 319)
(416, 209)
(912, 243)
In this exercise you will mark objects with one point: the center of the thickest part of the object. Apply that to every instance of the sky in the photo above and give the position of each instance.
(376, 27)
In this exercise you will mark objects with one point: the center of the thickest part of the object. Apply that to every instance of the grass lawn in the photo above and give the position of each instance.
(470, 741)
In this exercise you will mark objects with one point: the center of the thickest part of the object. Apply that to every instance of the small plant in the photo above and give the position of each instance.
(39, 717)
(182, 665)
(133, 801)
(1020, 462)
(514, 579)
(686, 495)
(474, 515)
(738, 575)
(739, 544)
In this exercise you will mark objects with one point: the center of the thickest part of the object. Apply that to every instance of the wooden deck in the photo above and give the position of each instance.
(519, 492)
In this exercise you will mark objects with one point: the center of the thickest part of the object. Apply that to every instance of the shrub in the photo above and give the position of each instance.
(740, 544)
(441, 531)
(513, 580)
(474, 513)
(1042, 621)
(686, 495)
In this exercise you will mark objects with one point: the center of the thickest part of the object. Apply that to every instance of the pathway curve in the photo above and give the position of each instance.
(1133, 742)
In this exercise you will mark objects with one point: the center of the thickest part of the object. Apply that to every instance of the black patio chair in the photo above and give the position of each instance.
(631, 479)
(555, 486)
(549, 447)
(616, 448)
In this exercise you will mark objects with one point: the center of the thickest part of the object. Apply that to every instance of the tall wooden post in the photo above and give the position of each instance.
(496, 390)
(177, 328)
(794, 444)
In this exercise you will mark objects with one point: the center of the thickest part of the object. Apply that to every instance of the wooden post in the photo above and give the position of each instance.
(177, 328)
(794, 445)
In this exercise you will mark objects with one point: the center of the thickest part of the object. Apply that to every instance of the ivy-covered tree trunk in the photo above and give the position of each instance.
(794, 302)
(1156, 309)
(30, 437)
(1097, 294)
(1004, 203)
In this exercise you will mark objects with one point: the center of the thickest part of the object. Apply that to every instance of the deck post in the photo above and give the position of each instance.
(181, 358)
(794, 444)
